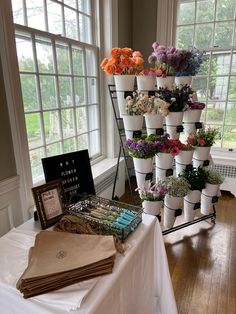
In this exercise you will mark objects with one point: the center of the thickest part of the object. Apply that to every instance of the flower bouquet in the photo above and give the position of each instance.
(203, 139)
(152, 195)
(213, 181)
(173, 202)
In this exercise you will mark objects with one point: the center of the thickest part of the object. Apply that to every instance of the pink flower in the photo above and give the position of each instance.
(201, 142)
(174, 151)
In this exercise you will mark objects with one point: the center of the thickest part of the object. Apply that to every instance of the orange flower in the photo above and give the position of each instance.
(138, 60)
(103, 63)
(137, 54)
(110, 69)
(127, 52)
(115, 52)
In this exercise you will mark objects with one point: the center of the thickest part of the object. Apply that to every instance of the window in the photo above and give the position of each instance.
(210, 25)
(57, 57)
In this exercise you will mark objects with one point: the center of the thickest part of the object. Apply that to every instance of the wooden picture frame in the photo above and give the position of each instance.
(49, 199)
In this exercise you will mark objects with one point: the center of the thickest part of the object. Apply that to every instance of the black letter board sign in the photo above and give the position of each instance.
(75, 171)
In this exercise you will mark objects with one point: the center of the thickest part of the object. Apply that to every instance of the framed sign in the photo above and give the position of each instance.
(74, 170)
(49, 200)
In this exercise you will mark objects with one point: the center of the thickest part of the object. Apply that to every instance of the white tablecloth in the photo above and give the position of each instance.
(140, 282)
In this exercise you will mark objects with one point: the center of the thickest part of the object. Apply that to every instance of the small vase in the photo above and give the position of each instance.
(211, 189)
(183, 80)
(200, 155)
(183, 159)
(171, 204)
(206, 204)
(167, 81)
(190, 200)
(123, 84)
(132, 124)
(173, 121)
(143, 167)
(152, 207)
(146, 83)
(192, 115)
(163, 162)
(153, 122)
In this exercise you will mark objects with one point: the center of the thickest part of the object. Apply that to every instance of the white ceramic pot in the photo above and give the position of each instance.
(173, 202)
(211, 189)
(189, 212)
(174, 118)
(131, 124)
(146, 82)
(169, 217)
(124, 82)
(167, 81)
(192, 115)
(172, 131)
(206, 205)
(164, 160)
(183, 80)
(189, 128)
(184, 157)
(152, 207)
(201, 153)
(143, 165)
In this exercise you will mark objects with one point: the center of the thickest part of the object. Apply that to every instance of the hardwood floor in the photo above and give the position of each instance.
(202, 261)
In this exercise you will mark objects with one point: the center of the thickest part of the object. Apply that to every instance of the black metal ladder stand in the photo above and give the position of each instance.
(118, 120)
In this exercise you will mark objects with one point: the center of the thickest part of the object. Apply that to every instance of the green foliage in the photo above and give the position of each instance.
(213, 176)
(179, 187)
(196, 177)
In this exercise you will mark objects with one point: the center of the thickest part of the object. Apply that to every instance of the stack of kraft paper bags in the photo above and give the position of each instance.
(59, 259)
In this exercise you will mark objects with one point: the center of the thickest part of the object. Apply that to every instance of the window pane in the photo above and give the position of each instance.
(29, 93)
(77, 59)
(36, 165)
(67, 119)
(65, 91)
(204, 36)
(54, 18)
(53, 149)
(33, 126)
(91, 63)
(48, 92)
(35, 14)
(229, 136)
(24, 52)
(92, 88)
(84, 6)
(79, 91)
(199, 84)
(17, 9)
(93, 117)
(225, 9)
(71, 3)
(220, 63)
(71, 23)
(81, 120)
(233, 68)
(218, 88)
(51, 126)
(63, 60)
(69, 145)
(224, 34)
(186, 13)
(85, 29)
(184, 36)
(205, 11)
(44, 55)
(215, 112)
(204, 68)
(82, 141)
(231, 113)
(232, 88)
(94, 138)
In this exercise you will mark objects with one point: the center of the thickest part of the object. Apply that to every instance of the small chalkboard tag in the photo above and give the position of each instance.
(137, 134)
(196, 206)
(189, 167)
(159, 131)
(149, 176)
(179, 128)
(198, 125)
(206, 163)
(214, 199)
(169, 172)
(128, 93)
(178, 212)
(151, 93)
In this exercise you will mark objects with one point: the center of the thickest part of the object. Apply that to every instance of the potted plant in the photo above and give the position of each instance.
(213, 181)
(123, 64)
(178, 100)
(196, 177)
(193, 66)
(156, 110)
(170, 60)
(203, 140)
(142, 150)
(134, 108)
(152, 195)
(173, 202)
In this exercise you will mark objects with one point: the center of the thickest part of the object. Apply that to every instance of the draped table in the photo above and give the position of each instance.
(140, 281)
